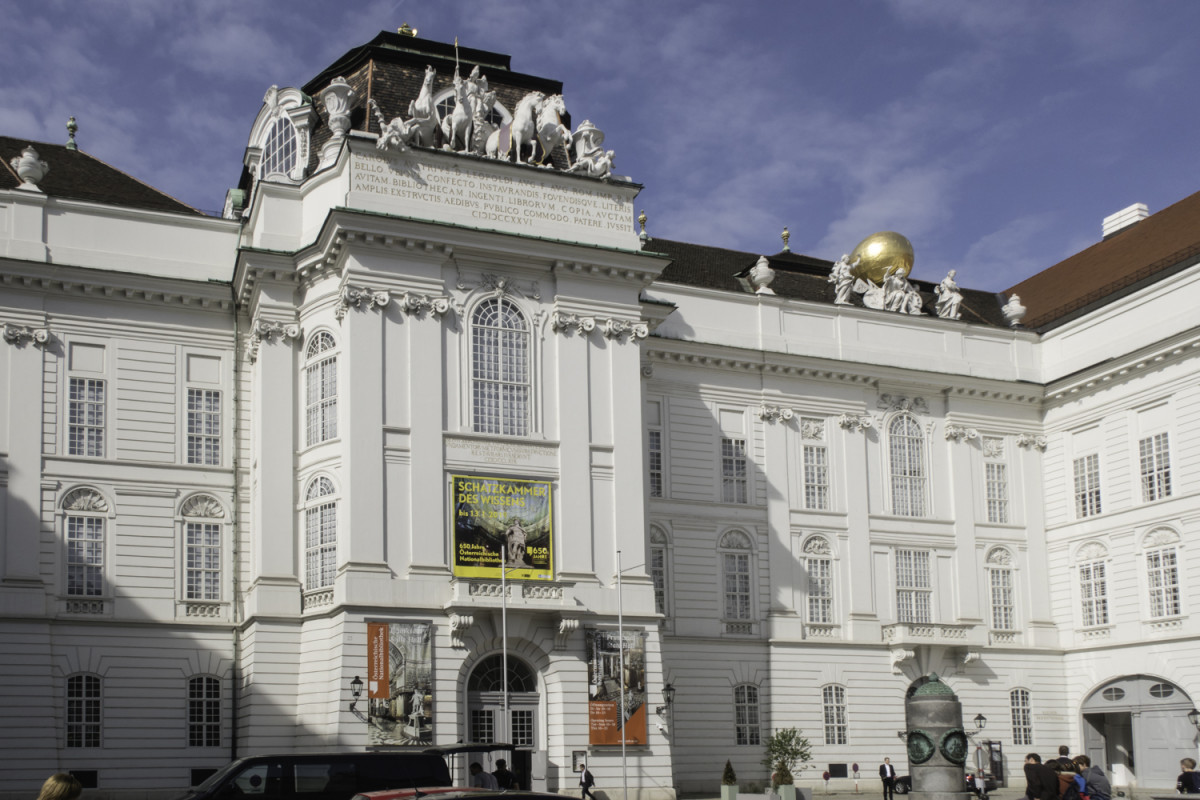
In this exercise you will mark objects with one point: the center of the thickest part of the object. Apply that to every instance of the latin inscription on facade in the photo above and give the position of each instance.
(482, 451)
(494, 196)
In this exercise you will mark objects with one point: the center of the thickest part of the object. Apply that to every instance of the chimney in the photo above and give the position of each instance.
(1121, 220)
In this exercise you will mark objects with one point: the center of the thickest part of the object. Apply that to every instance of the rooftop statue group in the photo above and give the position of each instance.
(535, 130)
(895, 293)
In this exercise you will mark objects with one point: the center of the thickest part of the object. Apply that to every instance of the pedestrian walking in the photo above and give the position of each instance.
(887, 774)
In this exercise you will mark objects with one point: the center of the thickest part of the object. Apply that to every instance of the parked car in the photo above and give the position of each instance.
(904, 784)
(321, 776)
(456, 793)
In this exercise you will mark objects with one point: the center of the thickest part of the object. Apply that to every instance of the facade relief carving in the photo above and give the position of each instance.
(21, 335)
(774, 413)
(415, 304)
(569, 324)
(360, 299)
(957, 433)
(1160, 537)
(993, 447)
(817, 546)
(566, 627)
(1029, 440)
(1090, 551)
(84, 500)
(202, 506)
(855, 422)
(812, 428)
(270, 331)
(1000, 556)
(624, 329)
(459, 625)
(898, 402)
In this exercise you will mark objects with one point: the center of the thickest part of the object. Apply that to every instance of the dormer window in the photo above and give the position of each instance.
(279, 151)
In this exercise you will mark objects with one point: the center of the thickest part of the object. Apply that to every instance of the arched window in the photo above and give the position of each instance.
(202, 548)
(489, 676)
(1000, 584)
(906, 444)
(321, 388)
(83, 710)
(85, 511)
(500, 369)
(736, 580)
(1022, 717)
(485, 702)
(280, 149)
(818, 564)
(204, 711)
(745, 715)
(833, 700)
(495, 115)
(320, 534)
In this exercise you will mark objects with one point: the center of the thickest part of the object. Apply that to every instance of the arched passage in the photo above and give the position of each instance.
(1136, 728)
(485, 709)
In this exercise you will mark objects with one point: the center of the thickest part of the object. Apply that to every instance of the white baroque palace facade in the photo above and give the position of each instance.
(247, 461)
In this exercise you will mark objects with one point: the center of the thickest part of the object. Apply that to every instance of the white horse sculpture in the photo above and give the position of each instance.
(550, 130)
(424, 121)
(520, 132)
(457, 127)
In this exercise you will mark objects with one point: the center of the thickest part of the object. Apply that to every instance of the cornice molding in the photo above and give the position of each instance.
(115, 286)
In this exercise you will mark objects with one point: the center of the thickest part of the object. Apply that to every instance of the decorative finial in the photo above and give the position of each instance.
(71, 128)
(1014, 311)
(30, 169)
(405, 30)
(642, 221)
(785, 236)
(761, 276)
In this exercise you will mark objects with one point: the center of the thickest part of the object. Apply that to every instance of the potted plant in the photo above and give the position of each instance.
(729, 787)
(788, 751)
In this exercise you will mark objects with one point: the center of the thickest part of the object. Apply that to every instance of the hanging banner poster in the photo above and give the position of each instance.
(399, 683)
(605, 681)
(494, 513)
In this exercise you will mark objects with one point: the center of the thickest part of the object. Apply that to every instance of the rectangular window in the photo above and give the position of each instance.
(482, 728)
(203, 561)
(914, 592)
(1002, 599)
(816, 477)
(736, 568)
(204, 712)
(204, 427)
(820, 591)
(522, 727)
(1154, 453)
(733, 471)
(745, 711)
(1087, 486)
(83, 711)
(658, 574)
(1093, 592)
(321, 403)
(85, 417)
(85, 556)
(834, 701)
(655, 456)
(1162, 575)
(1022, 717)
(320, 546)
(997, 492)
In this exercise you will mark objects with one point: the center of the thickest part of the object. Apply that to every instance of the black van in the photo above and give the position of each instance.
(321, 776)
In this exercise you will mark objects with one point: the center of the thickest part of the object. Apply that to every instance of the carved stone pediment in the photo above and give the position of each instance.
(817, 546)
(84, 500)
(202, 505)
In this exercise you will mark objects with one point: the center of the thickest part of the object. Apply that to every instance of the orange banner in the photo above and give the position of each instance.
(377, 661)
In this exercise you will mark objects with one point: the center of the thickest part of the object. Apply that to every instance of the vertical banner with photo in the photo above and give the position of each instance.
(490, 513)
(605, 679)
(399, 683)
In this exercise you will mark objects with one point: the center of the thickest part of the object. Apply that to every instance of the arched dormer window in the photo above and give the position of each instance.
(321, 388)
(280, 150)
(906, 458)
(320, 534)
(500, 366)
(736, 578)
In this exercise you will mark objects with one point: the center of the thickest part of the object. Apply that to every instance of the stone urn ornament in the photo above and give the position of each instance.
(30, 169)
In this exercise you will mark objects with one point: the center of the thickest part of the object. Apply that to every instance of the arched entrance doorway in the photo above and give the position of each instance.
(1136, 727)
(485, 720)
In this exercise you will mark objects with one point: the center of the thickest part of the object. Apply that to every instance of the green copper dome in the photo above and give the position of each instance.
(934, 688)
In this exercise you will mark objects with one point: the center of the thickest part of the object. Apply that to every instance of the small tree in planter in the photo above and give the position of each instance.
(787, 750)
(729, 786)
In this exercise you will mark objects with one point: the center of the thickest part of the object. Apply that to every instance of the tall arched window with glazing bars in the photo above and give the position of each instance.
(499, 369)
(906, 444)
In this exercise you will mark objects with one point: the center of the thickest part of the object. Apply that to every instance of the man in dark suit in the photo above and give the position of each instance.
(887, 773)
(1041, 782)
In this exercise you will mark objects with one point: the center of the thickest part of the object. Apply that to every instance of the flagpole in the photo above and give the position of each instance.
(621, 679)
(503, 625)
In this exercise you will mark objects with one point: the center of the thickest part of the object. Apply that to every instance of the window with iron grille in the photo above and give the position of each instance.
(1155, 457)
(733, 471)
(820, 590)
(1087, 486)
(85, 556)
(500, 369)
(85, 417)
(1022, 717)
(204, 712)
(1093, 592)
(202, 548)
(1003, 614)
(321, 390)
(1162, 578)
(906, 444)
(655, 462)
(914, 591)
(203, 427)
(83, 711)
(997, 491)
(833, 699)
(745, 713)
(320, 530)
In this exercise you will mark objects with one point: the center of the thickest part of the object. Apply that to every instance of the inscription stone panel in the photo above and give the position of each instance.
(493, 195)
(475, 453)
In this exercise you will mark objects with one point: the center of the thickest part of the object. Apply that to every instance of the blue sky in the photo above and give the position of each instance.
(994, 134)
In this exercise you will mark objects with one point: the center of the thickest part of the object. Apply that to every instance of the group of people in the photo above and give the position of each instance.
(1065, 778)
(499, 778)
